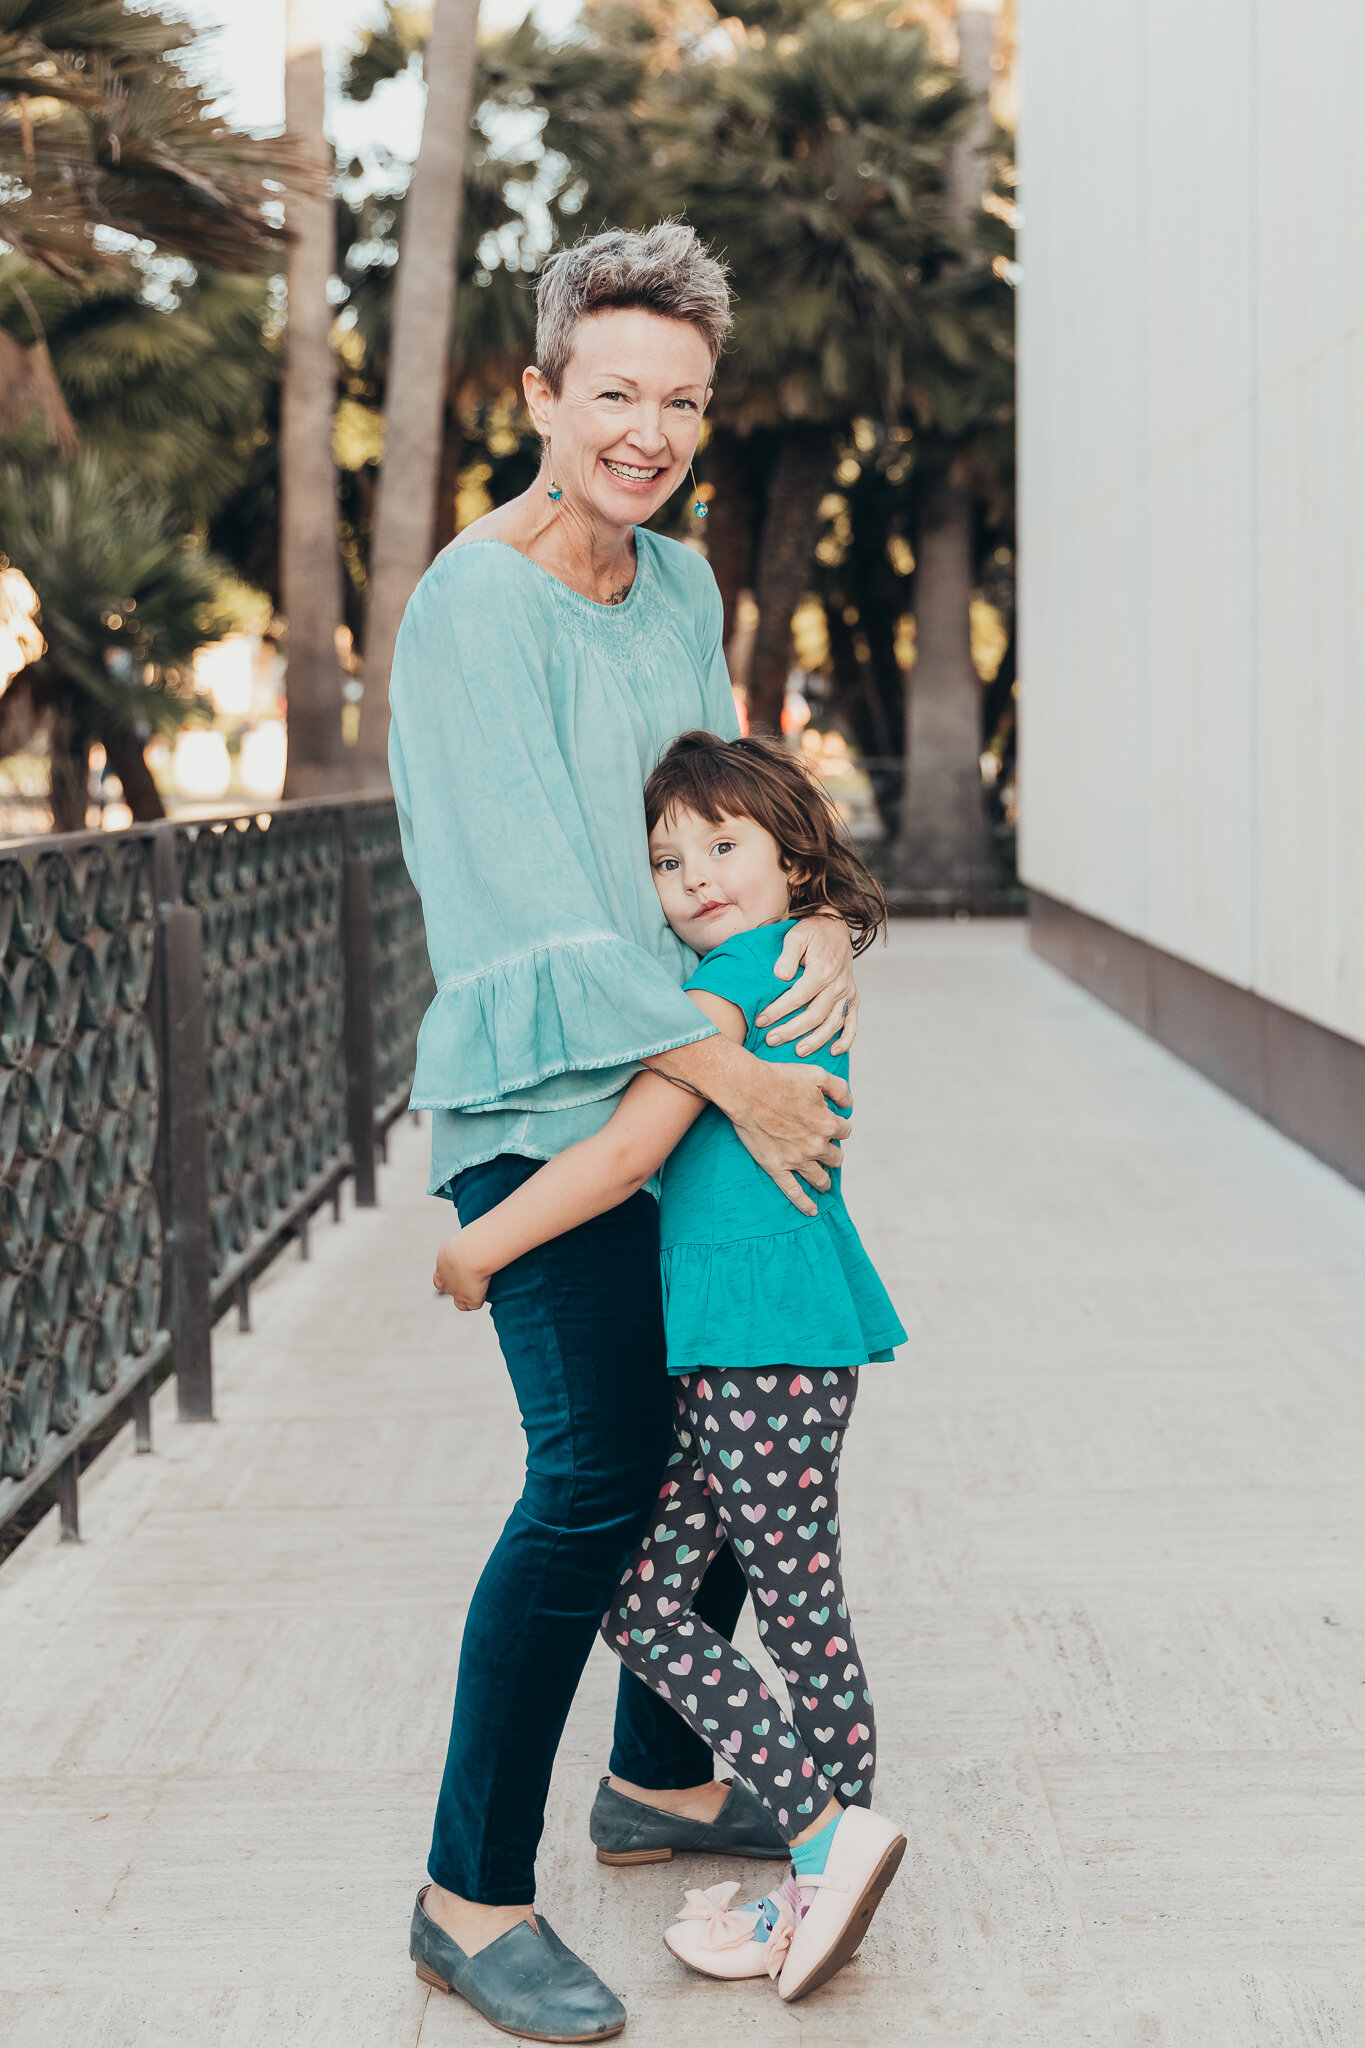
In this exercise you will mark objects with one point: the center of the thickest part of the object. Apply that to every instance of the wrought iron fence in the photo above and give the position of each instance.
(204, 1029)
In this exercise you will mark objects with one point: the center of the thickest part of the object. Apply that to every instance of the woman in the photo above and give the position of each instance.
(546, 660)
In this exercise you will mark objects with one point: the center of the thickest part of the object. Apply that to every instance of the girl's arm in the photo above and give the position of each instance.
(585, 1181)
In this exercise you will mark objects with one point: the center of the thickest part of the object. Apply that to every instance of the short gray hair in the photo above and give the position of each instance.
(666, 270)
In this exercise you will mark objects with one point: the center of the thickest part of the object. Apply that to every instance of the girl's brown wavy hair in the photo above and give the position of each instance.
(759, 778)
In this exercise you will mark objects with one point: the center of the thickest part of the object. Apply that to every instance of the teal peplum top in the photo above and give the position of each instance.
(748, 1280)
(525, 721)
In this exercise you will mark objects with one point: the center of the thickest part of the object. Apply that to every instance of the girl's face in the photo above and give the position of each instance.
(716, 880)
(624, 427)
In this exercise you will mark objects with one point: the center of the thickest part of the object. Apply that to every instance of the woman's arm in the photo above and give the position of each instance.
(584, 1181)
(781, 1115)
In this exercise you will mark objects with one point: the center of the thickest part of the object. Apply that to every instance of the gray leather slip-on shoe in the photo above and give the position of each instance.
(627, 1831)
(526, 1982)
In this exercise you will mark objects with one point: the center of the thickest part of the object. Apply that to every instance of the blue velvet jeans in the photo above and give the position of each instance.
(580, 1322)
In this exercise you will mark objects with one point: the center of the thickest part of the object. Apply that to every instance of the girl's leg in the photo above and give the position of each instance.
(653, 1626)
(653, 1748)
(771, 1445)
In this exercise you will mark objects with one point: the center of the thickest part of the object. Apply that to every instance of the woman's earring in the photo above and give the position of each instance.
(699, 506)
(553, 491)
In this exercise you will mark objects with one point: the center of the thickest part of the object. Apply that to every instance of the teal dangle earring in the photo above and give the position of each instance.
(699, 505)
(553, 490)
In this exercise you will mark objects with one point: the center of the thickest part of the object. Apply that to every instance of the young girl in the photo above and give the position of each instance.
(770, 1311)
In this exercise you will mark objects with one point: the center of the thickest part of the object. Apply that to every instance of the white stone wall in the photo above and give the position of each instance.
(1193, 482)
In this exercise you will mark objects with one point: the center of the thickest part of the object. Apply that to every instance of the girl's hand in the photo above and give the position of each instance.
(458, 1275)
(823, 999)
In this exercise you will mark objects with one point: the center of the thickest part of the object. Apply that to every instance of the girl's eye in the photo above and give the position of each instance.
(665, 864)
(723, 846)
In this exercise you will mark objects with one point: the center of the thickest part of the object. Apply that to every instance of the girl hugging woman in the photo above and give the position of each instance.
(771, 1307)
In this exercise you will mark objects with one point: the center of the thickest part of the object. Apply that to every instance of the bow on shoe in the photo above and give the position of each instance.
(790, 1907)
(723, 1928)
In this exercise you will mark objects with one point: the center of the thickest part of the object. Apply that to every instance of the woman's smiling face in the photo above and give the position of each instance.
(624, 427)
(717, 879)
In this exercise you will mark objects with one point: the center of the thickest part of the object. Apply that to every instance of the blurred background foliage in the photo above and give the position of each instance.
(808, 142)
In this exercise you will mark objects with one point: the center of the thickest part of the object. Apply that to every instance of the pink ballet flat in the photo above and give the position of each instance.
(717, 1942)
(839, 1903)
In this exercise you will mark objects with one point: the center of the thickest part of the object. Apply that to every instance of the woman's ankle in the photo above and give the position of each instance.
(691, 1802)
(470, 1924)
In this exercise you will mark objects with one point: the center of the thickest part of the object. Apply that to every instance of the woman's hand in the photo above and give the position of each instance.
(823, 999)
(784, 1121)
(458, 1273)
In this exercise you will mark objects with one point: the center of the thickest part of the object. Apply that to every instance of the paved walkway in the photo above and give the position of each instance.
(1104, 1526)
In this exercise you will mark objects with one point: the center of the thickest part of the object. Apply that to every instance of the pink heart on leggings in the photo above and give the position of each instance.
(682, 1667)
(667, 1607)
(766, 1596)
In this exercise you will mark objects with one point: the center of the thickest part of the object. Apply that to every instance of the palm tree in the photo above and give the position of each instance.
(126, 599)
(417, 366)
(310, 562)
(173, 393)
(813, 160)
(943, 852)
(492, 323)
(102, 127)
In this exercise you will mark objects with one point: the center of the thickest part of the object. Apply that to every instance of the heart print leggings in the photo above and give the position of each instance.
(755, 1463)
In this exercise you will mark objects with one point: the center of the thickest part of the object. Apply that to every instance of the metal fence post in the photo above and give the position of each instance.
(357, 954)
(183, 1147)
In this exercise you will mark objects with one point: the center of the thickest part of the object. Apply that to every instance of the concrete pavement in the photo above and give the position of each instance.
(1104, 1527)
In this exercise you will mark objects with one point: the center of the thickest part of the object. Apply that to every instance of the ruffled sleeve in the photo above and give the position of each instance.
(533, 981)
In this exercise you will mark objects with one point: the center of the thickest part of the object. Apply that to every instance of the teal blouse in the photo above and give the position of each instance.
(748, 1280)
(525, 719)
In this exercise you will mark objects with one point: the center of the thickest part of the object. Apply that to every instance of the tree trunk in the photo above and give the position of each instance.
(310, 560)
(943, 853)
(859, 695)
(140, 792)
(790, 525)
(424, 299)
(732, 520)
(448, 476)
(20, 713)
(69, 762)
(882, 597)
(965, 184)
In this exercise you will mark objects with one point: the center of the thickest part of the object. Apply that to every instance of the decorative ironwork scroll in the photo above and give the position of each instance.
(299, 935)
(403, 982)
(269, 893)
(80, 1228)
